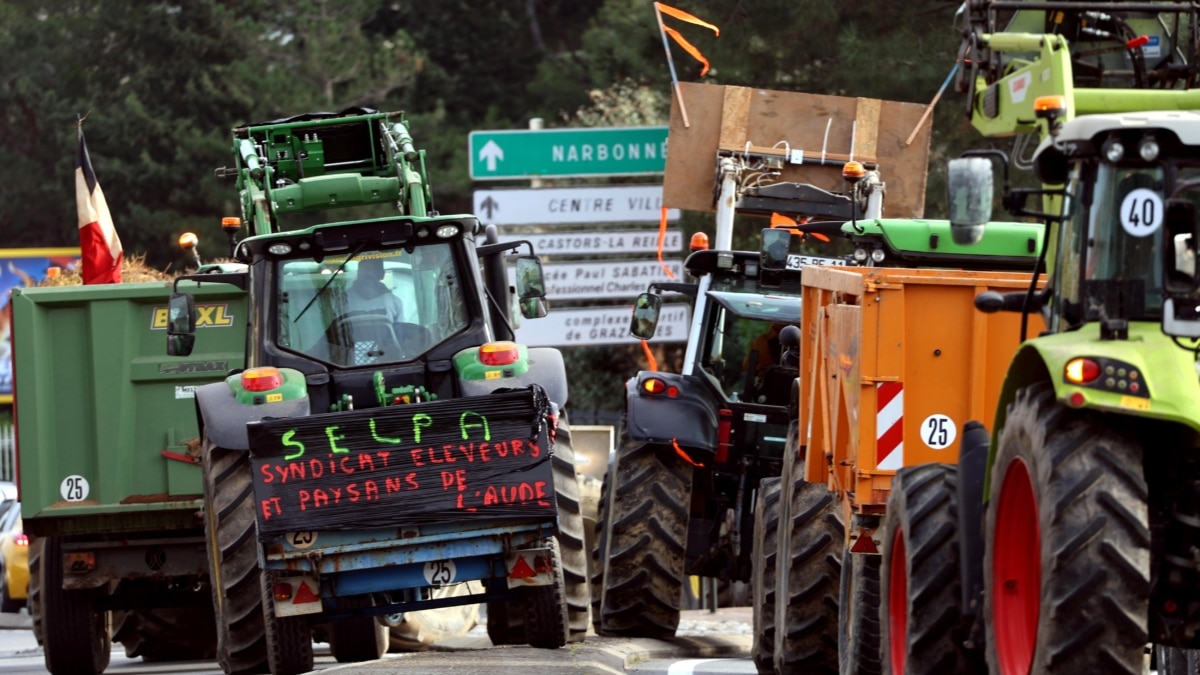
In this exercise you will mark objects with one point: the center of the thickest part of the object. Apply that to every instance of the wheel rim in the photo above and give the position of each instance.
(898, 604)
(1016, 571)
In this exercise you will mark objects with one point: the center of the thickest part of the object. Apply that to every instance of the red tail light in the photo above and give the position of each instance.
(21, 539)
(499, 353)
(653, 385)
(262, 379)
(724, 428)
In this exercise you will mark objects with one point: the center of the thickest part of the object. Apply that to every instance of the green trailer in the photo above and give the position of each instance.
(108, 467)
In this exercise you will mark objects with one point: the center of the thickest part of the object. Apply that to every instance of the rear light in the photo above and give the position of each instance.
(21, 539)
(724, 429)
(653, 385)
(283, 591)
(499, 353)
(1082, 371)
(262, 379)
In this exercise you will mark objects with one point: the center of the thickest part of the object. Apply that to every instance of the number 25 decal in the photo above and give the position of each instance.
(938, 431)
(440, 572)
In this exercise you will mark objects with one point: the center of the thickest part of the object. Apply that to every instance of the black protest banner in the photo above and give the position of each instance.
(483, 457)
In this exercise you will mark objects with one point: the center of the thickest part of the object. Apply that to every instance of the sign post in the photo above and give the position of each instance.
(568, 153)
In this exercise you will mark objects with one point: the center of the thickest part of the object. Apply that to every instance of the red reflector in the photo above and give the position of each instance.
(21, 539)
(498, 353)
(521, 570)
(673, 391)
(1077, 399)
(864, 544)
(724, 426)
(262, 379)
(283, 591)
(305, 594)
(654, 385)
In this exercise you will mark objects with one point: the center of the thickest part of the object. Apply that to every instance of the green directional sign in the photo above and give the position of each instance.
(568, 153)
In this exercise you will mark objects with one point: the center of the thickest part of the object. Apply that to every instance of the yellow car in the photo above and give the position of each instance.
(14, 561)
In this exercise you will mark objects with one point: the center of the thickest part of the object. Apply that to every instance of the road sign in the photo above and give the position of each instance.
(566, 153)
(593, 242)
(579, 327)
(561, 206)
(602, 279)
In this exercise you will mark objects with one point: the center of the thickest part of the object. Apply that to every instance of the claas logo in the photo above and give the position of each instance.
(207, 316)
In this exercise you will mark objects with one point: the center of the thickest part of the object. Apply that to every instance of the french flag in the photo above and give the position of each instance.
(100, 247)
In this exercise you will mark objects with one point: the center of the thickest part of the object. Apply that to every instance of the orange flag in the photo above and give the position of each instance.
(682, 41)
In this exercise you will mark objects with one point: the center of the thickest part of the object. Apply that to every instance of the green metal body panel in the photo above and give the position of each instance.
(1003, 239)
(1168, 374)
(98, 398)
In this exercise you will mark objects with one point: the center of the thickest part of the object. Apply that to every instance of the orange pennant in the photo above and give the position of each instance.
(684, 16)
(778, 219)
(662, 235)
(689, 48)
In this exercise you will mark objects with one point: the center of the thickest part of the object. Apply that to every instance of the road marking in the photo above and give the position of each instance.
(688, 667)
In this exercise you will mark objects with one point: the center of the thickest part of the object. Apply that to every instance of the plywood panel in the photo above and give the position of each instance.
(726, 117)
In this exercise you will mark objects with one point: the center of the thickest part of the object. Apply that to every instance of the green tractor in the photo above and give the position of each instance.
(387, 439)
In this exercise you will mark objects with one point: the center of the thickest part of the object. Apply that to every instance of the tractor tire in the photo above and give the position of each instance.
(289, 638)
(1066, 543)
(924, 628)
(75, 635)
(599, 551)
(762, 573)
(858, 634)
(807, 640)
(167, 633)
(571, 542)
(236, 579)
(416, 631)
(357, 638)
(546, 622)
(506, 622)
(1175, 661)
(644, 539)
(35, 588)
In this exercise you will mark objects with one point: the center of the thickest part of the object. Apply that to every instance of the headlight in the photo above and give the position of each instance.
(877, 255)
(1148, 149)
(281, 248)
(447, 231)
(860, 255)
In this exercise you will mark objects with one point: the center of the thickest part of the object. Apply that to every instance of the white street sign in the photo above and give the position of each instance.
(593, 242)
(562, 206)
(606, 279)
(577, 327)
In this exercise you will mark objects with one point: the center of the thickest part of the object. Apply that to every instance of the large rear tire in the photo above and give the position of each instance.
(229, 530)
(762, 573)
(809, 572)
(546, 622)
(644, 539)
(571, 540)
(1066, 544)
(858, 605)
(924, 629)
(506, 622)
(75, 635)
(167, 633)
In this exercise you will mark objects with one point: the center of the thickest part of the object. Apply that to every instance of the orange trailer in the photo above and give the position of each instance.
(893, 363)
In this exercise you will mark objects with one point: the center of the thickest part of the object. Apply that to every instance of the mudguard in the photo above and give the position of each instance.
(225, 420)
(689, 418)
(546, 369)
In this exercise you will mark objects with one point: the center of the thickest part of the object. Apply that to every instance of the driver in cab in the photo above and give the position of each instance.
(368, 293)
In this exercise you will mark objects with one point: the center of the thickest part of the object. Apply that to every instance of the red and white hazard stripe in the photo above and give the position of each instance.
(889, 425)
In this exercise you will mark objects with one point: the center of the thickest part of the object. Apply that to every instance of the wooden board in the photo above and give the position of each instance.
(727, 117)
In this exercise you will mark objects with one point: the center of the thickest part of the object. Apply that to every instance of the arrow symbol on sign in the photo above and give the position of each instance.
(490, 153)
(489, 205)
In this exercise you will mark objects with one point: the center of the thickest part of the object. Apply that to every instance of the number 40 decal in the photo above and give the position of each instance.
(1141, 212)
(938, 431)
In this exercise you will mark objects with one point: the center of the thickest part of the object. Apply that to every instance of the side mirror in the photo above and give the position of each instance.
(530, 281)
(969, 181)
(645, 316)
(775, 245)
(1179, 247)
(534, 308)
(181, 324)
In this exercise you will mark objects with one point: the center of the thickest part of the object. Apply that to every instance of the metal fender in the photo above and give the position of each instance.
(225, 420)
(546, 369)
(689, 418)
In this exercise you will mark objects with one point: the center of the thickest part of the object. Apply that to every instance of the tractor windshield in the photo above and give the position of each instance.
(742, 352)
(383, 306)
(1111, 266)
